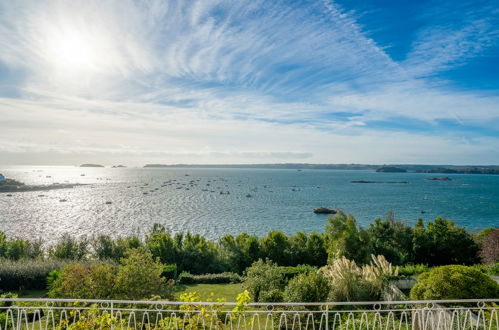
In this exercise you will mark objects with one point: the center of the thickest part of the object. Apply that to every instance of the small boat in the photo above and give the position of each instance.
(249, 195)
(109, 203)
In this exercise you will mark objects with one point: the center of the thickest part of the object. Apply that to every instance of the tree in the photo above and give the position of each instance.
(489, 251)
(239, 252)
(392, 239)
(70, 248)
(454, 282)
(345, 239)
(316, 250)
(275, 246)
(162, 245)
(443, 243)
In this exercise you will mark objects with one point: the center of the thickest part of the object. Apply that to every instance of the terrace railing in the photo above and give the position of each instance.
(120, 314)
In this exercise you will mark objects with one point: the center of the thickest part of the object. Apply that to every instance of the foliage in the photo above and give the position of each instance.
(15, 248)
(106, 248)
(239, 252)
(69, 248)
(265, 281)
(489, 250)
(170, 271)
(494, 269)
(93, 318)
(137, 277)
(412, 269)
(204, 314)
(227, 277)
(392, 239)
(307, 287)
(454, 282)
(443, 243)
(27, 274)
(291, 271)
(346, 239)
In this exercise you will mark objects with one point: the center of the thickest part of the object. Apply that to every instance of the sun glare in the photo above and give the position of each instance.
(73, 52)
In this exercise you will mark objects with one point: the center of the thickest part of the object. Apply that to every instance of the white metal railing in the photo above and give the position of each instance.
(124, 314)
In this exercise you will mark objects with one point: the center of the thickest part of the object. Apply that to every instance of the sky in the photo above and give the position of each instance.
(221, 81)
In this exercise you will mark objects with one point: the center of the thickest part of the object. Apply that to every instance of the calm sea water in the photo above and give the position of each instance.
(189, 200)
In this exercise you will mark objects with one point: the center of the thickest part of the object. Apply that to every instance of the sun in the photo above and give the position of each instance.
(73, 52)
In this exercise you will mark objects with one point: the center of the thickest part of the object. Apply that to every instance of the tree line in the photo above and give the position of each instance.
(434, 243)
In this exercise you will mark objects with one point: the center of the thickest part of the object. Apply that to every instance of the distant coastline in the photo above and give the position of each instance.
(415, 168)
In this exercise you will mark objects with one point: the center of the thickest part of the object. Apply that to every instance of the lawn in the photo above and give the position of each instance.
(32, 294)
(227, 291)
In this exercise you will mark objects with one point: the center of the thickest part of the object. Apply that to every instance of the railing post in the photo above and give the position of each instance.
(327, 316)
(112, 314)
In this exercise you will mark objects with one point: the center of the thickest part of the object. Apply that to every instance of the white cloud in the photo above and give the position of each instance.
(245, 81)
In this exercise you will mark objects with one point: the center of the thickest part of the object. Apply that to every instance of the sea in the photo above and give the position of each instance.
(218, 201)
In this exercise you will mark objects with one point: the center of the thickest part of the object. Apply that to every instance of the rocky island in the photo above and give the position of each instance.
(324, 210)
(443, 178)
(10, 186)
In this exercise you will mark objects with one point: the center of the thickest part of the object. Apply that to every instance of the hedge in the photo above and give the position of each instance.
(221, 278)
(27, 274)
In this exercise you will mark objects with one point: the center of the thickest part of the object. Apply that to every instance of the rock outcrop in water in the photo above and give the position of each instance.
(324, 210)
(443, 178)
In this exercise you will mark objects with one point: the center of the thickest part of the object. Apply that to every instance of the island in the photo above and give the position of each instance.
(91, 165)
(10, 186)
(118, 166)
(391, 169)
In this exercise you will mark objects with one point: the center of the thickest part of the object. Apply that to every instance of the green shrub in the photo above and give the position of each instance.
(220, 278)
(170, 271)
(27, 274)
(307, 287)
(411, 269)
(265, 281)
(494, 269)
(289, 271)
(454, 282)
(137, 277)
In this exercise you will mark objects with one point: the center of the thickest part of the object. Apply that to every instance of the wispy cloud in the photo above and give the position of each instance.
(244, 80)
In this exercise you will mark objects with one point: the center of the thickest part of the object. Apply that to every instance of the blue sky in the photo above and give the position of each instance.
(220, 81)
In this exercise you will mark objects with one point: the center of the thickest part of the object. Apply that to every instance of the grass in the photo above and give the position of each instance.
(32, 294)
(227, 291)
